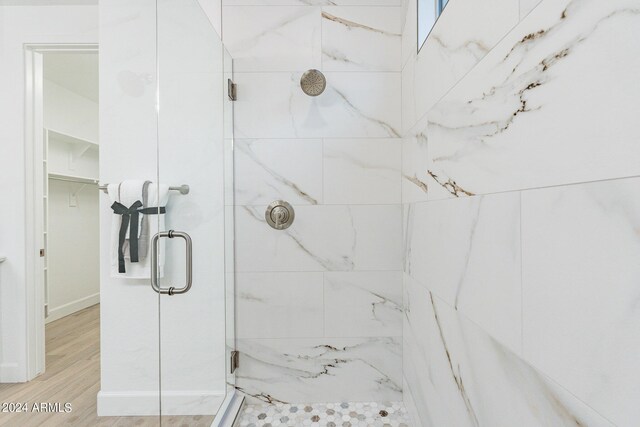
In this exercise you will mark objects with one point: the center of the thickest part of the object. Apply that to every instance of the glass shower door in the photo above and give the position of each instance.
(196, 247)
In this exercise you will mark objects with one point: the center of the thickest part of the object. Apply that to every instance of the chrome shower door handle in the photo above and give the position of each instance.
(172, 290)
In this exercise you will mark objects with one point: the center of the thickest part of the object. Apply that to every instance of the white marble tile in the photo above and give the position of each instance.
(409, 43)
(363, 304)
(364, 2)
(362, 171)
(550, 104)
(467, 251)
(415, 180)
(322, 238)
(312, 2)
(407, 214)
(409, 96)
(361, 38)
(581, 246)
(458, 41)
(272, 105)
(321, 369)
(271, 169)
(459, 376)
(263, 38)
(410, 405)
(279, 305)
(527, 6)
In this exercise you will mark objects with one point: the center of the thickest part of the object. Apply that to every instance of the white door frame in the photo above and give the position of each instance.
(34, 213)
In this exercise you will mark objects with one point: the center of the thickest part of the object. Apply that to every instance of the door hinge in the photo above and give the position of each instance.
(235, 360)
(41, 252)
(232, 90)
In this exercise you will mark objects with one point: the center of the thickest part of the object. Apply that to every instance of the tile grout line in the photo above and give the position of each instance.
(521, 282)
(324, 304)
(528, 189)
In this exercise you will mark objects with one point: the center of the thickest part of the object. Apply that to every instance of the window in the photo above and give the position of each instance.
(428, 13)
(440, 6)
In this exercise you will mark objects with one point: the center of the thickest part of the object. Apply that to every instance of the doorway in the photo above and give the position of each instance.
(70, 197)
(62, 134)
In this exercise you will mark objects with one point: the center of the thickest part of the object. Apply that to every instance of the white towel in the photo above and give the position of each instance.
(127, 193)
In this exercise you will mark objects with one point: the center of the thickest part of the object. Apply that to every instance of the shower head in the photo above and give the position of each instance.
(313, 82)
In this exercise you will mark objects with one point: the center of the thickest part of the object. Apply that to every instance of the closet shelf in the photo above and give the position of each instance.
(70, 139)
(77, 146)
(73, 178)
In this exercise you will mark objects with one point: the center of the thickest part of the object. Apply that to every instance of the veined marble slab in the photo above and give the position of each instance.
(322, 238)
(273, 105)
(363, 304)
(313, 2)
(461, 37)
(527, 6)
(459, 376)
(362, 171)
(554, 102)
(279, 305)
(467, 251)
(271, 169)
(361, 38)
(581, 276)
(321, 369)
(263, 38)
(415, 179)
(409, 29)
(410, 405)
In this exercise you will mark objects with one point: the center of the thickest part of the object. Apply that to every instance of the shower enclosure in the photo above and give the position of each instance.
(167, 117)
(319, 303)
(195, 141)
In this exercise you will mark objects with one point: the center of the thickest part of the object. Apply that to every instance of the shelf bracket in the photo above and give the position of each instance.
(77, 152)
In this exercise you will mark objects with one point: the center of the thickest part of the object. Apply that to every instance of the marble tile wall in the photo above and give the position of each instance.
(458, 375)
(581, 246)
(319, 305)
(540, 109)
(520, 229)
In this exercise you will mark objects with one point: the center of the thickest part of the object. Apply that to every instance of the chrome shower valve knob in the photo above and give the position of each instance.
(279, 215)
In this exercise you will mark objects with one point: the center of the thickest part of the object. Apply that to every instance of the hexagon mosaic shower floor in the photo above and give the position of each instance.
(346, 414)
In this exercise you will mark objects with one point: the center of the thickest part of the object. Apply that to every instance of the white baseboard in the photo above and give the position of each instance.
(72, 307)
(140, 403)
(9, 373)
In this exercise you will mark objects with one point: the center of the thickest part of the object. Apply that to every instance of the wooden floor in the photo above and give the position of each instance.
(73, 375)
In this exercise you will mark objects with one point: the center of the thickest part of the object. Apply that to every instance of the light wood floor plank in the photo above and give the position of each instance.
(73, 375)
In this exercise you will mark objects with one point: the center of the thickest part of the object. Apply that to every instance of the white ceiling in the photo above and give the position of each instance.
(77, 72)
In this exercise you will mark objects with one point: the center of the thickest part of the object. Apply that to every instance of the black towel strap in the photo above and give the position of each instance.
(130, 219)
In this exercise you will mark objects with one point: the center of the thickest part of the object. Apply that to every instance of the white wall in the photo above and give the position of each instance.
(187, 150)
(521, 301)
(19, 25)
(73, 248)
(70, 113)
